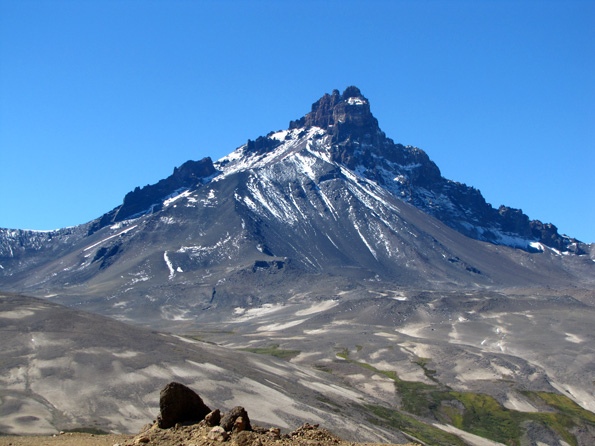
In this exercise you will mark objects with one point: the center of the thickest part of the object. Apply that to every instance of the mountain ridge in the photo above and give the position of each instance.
(334, 171)
(358, 143)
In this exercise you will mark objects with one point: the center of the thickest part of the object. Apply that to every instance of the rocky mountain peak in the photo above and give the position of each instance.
(346, 116)
(355, 141)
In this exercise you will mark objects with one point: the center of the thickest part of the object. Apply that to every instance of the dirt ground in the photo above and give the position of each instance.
(194, 435)
(68, 439)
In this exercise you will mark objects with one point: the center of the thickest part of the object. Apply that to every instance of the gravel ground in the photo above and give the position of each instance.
(194, 435)
(68, 439)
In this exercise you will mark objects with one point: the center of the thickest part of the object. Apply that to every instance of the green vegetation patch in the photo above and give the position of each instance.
(273, 350)
(203, 335)
(87, 430)
(486, 417)
(476, 413)
(564, 405)
(566, 415)
(411, 426)
(323, 368)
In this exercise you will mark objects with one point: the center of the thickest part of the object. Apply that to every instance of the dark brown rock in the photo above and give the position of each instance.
(213, 418)
(239, 425)
(229, 419)
(180, 404)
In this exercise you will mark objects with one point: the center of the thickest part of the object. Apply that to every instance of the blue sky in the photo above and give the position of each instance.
(98, 97)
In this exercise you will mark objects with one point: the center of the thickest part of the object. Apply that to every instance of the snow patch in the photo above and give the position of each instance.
(368, 245)
(172, 198)
(573, 338)
(280, 135)
(472, 439)
(514, 402)
(170, 266)
(279, 326)
(317, 308)
(248, 314)
(109, 238)
(16, 314)
(356, 101)
(167, 220)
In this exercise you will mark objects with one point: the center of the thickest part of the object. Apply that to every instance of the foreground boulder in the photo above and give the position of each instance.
(180, 404)
(236, 420)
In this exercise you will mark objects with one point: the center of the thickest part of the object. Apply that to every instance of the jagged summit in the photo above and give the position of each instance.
(344, 115)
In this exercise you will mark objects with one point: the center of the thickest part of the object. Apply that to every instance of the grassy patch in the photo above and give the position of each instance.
(486, 417)
(566, 415)
(273, 350)
(87, 430)
(201, 335)
(425, 432)
(343, 354)
(332, 405)
(476, 413)
(323, 368)
(564, 405)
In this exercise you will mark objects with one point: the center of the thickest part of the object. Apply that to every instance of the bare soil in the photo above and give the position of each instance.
(68, 439)
(193, 435)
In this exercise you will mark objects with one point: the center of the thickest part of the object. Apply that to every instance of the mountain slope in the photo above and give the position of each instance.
(63, 369)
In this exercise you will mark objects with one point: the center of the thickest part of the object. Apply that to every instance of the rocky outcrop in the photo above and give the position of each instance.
(188, 175)
(202, 435)
(236, 420)
(183, 421)
(150, 198)
(180, 404)
(347, 117)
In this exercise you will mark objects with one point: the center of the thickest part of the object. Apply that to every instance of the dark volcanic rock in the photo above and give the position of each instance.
(178, 403)
(261, 145)
(212, 419)
(150, 197)
(228, 422)
(187, 175)
(346, 116)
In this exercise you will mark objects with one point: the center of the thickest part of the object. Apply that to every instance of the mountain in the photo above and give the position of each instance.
(331, 241)
(353, 140)
(330, 198)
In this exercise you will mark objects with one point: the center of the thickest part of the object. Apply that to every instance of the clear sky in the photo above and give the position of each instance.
(100, 96)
